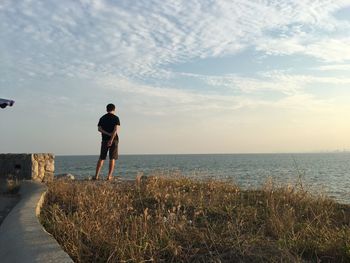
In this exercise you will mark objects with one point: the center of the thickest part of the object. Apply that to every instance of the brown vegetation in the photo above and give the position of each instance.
(184, 220)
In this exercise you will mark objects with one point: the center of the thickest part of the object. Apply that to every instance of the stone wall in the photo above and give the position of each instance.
(35, 166)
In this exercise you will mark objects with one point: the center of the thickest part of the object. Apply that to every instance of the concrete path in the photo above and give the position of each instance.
(22, 237)
(7, 202)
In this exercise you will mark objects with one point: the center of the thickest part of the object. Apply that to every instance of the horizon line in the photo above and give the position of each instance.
(237, 153)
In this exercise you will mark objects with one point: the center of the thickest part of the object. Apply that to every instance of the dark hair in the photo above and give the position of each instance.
(110, 107)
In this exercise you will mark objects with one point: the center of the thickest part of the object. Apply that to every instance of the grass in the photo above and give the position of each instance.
(183, 220)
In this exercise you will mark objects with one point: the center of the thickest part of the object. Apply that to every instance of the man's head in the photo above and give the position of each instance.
(110, 107)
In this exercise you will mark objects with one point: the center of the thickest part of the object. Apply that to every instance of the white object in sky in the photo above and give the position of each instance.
(4, 103)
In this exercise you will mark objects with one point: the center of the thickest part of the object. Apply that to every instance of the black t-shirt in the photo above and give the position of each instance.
(108, 122)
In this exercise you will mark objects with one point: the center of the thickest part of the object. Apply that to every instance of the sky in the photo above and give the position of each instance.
(198, 76)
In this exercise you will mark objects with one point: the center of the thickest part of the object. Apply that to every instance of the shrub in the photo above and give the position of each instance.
(185, 220)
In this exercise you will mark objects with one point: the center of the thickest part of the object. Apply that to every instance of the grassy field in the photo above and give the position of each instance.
(184, 220)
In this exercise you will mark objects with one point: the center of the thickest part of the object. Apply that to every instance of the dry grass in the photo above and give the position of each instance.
(183, 220)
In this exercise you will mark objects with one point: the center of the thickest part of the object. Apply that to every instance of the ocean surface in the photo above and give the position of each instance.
(325, 173)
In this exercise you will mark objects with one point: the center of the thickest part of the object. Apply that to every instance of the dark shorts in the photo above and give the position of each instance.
(113, 150)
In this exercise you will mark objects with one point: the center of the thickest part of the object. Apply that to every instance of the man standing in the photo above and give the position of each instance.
(108, 126)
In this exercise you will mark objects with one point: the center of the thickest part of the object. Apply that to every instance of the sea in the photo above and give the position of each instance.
(326, 174)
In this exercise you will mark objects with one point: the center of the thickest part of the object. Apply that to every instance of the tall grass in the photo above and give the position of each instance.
(184, 220)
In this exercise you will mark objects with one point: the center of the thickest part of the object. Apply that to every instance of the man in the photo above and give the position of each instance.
(108, 126)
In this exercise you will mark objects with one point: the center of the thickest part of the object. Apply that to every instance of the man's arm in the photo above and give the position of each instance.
(103, 131)
(113, 134)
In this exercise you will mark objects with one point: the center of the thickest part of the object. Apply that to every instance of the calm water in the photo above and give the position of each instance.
(327, 173)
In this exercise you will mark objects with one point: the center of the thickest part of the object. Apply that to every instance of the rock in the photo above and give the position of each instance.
(67, 176)
(49, 166)
(48, 177)
(41, 171)
(34, 166)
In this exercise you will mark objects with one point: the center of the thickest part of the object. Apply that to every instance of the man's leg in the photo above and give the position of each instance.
(103, 154)
(111, 169)
(98, 168)
(113, 155)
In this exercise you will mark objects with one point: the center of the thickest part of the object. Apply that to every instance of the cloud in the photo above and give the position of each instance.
(167, 101)
(334, 67)
(274, 90)
(124, 46)
(326, 49)
(336, 50)
(279, 90)
(282, 82)
(136, 41)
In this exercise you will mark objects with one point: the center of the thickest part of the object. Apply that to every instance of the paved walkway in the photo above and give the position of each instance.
(7, 202)
(22, 237)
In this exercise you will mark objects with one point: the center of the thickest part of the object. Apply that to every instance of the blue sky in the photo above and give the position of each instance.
(199, 76)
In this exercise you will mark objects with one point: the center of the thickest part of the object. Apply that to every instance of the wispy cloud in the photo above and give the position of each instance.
(291, 90)
(78, 54)
(118, 42)
(334, 67)
(136, 40)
